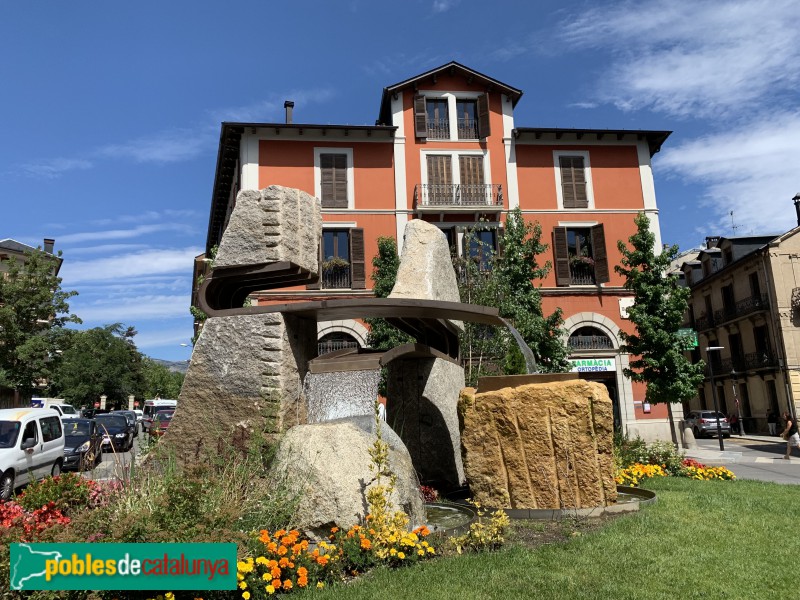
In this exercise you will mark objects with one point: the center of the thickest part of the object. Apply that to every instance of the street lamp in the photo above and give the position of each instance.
(714, 392)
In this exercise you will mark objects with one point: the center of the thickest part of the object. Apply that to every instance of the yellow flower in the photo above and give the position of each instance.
(270, 590)
(243, 585)
(320, 585)
(246, 595)
(169, 596)
(401, 555)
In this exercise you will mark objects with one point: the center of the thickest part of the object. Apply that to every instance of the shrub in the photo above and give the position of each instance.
(66, 492)
(628, 452)
(483, 534)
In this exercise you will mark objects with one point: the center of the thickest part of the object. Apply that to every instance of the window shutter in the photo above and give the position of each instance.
(333, 180)
(484, 129)
(420, 117)
(573, 182)
(358, 274)
(318, 285)
(601, 273)
(561, 254)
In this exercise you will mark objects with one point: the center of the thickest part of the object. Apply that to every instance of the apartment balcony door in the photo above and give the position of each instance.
(440, 179)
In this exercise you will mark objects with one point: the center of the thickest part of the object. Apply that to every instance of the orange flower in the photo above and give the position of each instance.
(282, 550)
(365, 543)
(287, 584)
(275, 572)
(297, 549)
(280, 533)
(272, 547)
(302, 582)
(276, 583)
(334, 529)
(322, 560)
(287, 540)
(302, 572)
(283, 562)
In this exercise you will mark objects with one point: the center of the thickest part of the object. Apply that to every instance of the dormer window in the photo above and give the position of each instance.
(451, 116)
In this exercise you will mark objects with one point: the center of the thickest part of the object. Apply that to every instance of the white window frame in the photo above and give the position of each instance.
(587, 170)
(320, 150)
(452, 98)
(455, 168)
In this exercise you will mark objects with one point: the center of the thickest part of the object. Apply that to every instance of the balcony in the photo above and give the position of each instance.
(458, 197)
(740, 309)
(333, 345)
(581, 273)
(467, 129)
(438, 129)
(590, 342)
(335, 278)
(752, 361)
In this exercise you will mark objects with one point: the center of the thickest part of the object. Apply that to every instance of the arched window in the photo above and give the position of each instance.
(335, 341)
(590, 338)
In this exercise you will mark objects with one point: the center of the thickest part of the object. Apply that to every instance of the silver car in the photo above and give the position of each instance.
(704, 423)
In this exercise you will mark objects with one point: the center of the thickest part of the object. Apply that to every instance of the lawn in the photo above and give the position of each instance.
(701, 539)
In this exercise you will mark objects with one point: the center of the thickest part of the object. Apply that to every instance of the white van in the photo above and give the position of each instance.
(31, 447)
(58, 404)
(150, 409)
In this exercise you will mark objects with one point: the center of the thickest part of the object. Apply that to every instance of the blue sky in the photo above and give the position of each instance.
(110, 113)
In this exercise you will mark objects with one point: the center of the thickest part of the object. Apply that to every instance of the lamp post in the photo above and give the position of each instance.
(714, 392)
(734, 381)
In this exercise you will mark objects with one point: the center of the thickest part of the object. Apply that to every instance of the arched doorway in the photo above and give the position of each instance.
(337, 340)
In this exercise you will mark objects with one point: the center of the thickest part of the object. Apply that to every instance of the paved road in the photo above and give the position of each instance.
(751, 457)
(115, 465)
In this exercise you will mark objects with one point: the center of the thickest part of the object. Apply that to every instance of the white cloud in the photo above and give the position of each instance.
(121, 234)
(133, 309)
(270, 110)
(440, 6)
(103, 249)
(128, 267)
(751, 170)
(689, 58)
(165, 147)
(53, 168)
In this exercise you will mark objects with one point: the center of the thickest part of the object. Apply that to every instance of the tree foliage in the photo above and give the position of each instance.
(102, 360)
(385, 263)
(510, 281)
(159, 381)
(33, 312)
(657, 314)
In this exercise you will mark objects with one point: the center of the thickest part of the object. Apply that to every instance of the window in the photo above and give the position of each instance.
(456, 179)
(445, 116)
(467, 119)
(438, 121)
(755, 287)
(580, 255)
(481, 246)
(51, 428)
(589, 338)
(341, 260)
(334, 177)
(573, 180)
(30, 432)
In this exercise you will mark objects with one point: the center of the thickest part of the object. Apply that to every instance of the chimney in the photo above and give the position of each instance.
(48, 245)
(796, 201)
(288, 105)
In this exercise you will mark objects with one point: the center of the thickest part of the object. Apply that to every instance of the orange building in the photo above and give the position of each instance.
(445, 148)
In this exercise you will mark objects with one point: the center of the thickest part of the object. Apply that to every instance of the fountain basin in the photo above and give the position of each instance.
(443, 517)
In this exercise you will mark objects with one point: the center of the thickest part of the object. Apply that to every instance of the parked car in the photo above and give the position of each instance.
(131, 417)
(117, 434)
(139, 414)
(150, 408)
(31, 447)
(82, 444)
(161, 421)
(704, 423)
(91, 413)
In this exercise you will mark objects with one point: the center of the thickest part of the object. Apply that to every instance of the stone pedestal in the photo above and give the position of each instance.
(422, 408)
(539, 446)
(341, 394)
(245, 378)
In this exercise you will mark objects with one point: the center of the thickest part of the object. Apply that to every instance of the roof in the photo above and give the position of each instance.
(450, 68)
(15, 246)
(654, 138)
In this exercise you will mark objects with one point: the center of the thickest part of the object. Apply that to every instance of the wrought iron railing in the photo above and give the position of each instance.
(439, 129)
(458, 194)
(467, 129)
(336, 278)
(742, 308)
(590, 342)
(581, 274)
(332, 345)
(749, 362)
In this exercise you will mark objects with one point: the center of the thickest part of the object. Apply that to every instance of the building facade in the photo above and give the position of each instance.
(446, 148)
(745, 302)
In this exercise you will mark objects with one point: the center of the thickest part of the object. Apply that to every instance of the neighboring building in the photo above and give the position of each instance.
(445, 148)
(9, 249)
(746, 300)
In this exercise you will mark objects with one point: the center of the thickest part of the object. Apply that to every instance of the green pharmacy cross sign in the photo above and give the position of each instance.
(689, 338)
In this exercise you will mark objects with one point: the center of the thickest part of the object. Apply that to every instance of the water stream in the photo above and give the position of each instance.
(530, 359)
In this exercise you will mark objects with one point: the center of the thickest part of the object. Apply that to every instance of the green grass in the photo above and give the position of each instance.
(699, 540)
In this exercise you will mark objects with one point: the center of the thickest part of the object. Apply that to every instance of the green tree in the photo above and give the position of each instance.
(657, 314)
(510, 281)
(102, 360)
(159, 381)
(382, 335)
(33, 312)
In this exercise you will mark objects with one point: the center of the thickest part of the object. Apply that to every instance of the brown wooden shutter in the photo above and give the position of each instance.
(318, 284)
(333, 180)
(420, 117)
(601, 273)
(358, 273)
(484, 129)
(439, 169)
(561, 254)
(573, 182)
